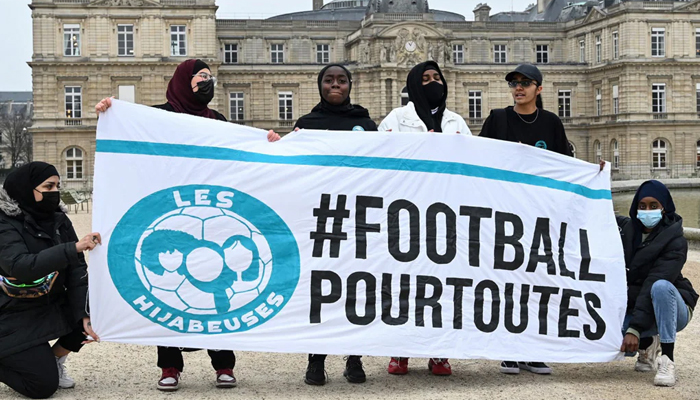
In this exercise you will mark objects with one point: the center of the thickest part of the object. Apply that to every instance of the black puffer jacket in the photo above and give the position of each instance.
(27, 253)
(660, 257)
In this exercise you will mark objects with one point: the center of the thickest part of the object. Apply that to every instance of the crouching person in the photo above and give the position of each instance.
(43, 283)
(660, 300)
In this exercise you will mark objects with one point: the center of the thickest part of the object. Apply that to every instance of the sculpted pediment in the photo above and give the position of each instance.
(410, 43)
(692, 6)
(595, 15)
(400, 29)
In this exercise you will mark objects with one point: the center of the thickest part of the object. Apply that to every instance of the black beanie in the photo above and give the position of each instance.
(199, 65)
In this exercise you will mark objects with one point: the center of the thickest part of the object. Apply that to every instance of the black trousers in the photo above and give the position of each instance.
(33, 372)
(321, 357)
(171, 357)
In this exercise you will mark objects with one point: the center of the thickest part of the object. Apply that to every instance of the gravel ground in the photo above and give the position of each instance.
(120, 372)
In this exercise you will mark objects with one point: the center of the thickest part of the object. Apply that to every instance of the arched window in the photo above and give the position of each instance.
(404, 97)
(74, 163)
(615, 154)
(573, 149)
(658, 154)
(598, 151)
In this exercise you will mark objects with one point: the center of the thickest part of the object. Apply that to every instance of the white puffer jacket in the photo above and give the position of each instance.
(406, 119)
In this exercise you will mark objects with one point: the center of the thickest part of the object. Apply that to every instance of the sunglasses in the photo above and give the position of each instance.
(524, 84)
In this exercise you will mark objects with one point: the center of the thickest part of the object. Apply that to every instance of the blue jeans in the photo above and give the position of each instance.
(670, 311)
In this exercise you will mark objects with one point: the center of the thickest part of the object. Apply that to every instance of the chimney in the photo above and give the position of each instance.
(318, 4)
(542, 5)
(482, 12)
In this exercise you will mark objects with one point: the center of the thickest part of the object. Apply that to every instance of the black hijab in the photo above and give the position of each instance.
(343, 117)
(324, 104)
(20, 185)
(416, 94)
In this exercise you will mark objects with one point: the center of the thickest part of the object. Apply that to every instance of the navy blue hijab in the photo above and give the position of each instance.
(660, 192)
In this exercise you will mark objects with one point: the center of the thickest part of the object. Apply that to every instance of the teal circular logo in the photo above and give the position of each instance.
(204, 259)
(358, 128)
(541, 144)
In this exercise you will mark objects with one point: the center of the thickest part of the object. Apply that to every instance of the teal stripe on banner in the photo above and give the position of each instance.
(440, 167)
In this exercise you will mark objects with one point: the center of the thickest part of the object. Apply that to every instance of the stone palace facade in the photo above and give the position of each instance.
(623, 75)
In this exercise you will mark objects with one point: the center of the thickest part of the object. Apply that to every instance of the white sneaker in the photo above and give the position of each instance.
(646, 361)
(666, 374)
(64, 381)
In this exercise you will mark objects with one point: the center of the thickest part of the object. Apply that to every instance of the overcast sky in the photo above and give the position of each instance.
(16, 27)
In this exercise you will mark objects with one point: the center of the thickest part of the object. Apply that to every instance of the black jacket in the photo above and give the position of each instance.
(660, 257)
(28, 253)
(168, 107)
(356, 118)
(546, 132)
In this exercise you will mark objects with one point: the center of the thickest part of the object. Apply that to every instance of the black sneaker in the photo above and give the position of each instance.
(315, 374)
(353, 370)
(535, 367)
(510, 367)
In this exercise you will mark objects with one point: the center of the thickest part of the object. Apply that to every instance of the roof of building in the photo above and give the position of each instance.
(16, 97)
(356, 10)
(398, 6)
(336, 4)
(556, 11)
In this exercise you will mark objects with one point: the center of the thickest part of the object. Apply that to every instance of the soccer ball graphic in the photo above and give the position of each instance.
(203, 260)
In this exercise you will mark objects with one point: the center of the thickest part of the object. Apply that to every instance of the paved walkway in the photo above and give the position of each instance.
(120, 372)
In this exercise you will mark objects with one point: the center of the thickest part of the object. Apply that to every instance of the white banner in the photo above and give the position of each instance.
(421, 245)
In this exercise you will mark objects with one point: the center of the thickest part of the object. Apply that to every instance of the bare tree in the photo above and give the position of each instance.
(16, 138)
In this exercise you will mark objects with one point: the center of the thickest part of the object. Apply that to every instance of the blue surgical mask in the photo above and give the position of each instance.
(650, 218)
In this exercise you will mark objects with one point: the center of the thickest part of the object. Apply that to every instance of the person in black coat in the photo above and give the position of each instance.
(335, 112)
(190, 91)
(43, 283)
(660, 300)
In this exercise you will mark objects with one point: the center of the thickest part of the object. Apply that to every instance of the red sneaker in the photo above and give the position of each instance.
(398, 366)
(225, 378)
(170, 380)
(440, 366)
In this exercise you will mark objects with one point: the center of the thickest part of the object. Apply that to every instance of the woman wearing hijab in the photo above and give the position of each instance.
(660, 300)
(335, 112)
(43, 283)
(190, 91)
(426, 112)
(427, 108)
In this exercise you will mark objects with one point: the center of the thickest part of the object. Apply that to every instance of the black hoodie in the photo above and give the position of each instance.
(660, 257)
(344, 117)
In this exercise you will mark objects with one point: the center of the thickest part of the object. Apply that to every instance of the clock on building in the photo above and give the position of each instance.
(411, 46)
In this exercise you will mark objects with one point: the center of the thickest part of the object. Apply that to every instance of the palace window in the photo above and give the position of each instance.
(74, 163)
(71, 40)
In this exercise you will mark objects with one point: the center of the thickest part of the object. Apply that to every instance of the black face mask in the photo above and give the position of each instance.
(49, 204)
(434, 92)
(205, 93)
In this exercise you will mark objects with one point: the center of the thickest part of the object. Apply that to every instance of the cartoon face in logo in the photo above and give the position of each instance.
(541, 144)
(188, 259)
